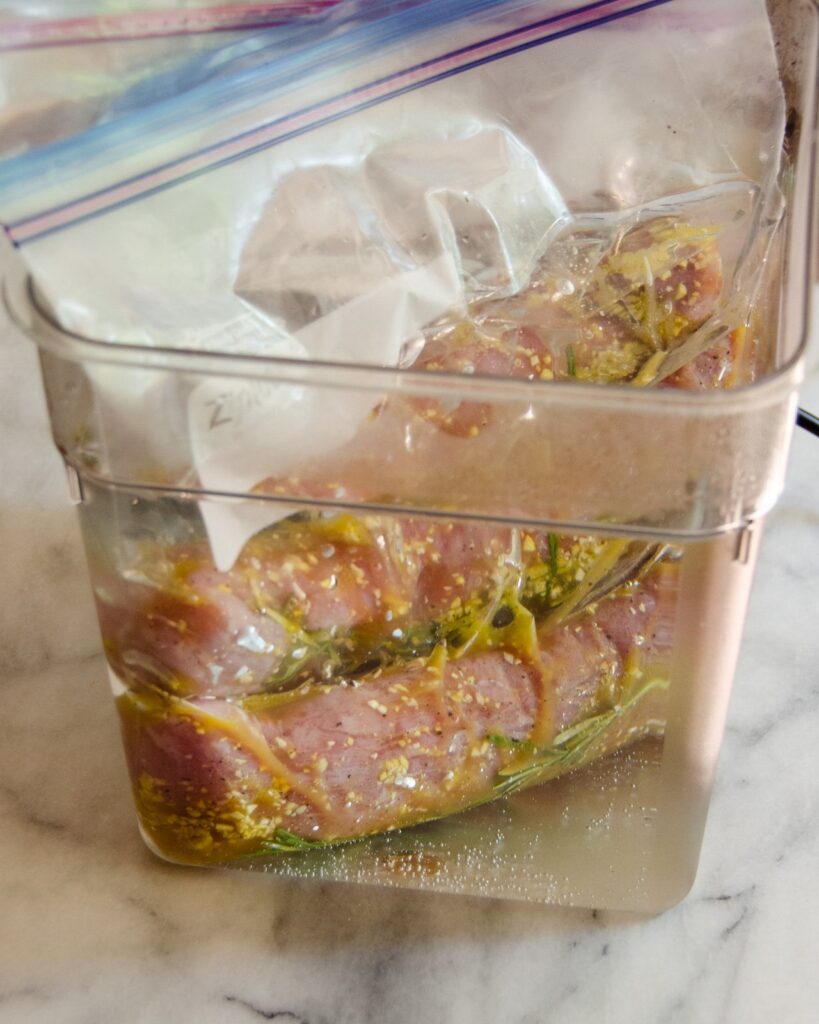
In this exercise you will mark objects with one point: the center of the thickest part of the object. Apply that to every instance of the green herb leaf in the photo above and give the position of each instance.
(571, 367)
(571, 747)
(497, 739)
(553, 553)
(283, 841)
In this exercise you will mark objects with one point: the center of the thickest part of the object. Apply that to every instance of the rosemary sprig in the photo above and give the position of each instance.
(570, 747)
(282, 841)
(553, 547)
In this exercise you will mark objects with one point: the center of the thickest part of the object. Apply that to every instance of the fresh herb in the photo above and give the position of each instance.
(595, 577)
(502, 742)
(571, 367)
(283, 841)
(551, 581)
(570, 747)
(553, 553)
(308, 650)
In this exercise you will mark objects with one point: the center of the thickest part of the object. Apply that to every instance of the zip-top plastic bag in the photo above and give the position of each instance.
(362, 186)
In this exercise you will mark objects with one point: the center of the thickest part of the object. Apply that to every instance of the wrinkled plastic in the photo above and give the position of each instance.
(383, 190)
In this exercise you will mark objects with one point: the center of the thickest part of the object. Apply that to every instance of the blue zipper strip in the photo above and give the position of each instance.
(601, 20)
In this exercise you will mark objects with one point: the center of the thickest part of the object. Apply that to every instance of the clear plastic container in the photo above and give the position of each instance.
(491, 661)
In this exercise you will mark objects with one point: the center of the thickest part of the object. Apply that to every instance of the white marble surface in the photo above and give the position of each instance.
(94, 929)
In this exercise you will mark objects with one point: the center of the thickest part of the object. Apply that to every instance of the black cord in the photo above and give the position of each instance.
(807, 421)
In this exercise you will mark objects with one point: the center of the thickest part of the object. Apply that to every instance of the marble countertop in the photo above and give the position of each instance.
(94, 929)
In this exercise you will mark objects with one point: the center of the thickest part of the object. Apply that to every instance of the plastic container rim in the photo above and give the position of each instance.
(64, 344)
